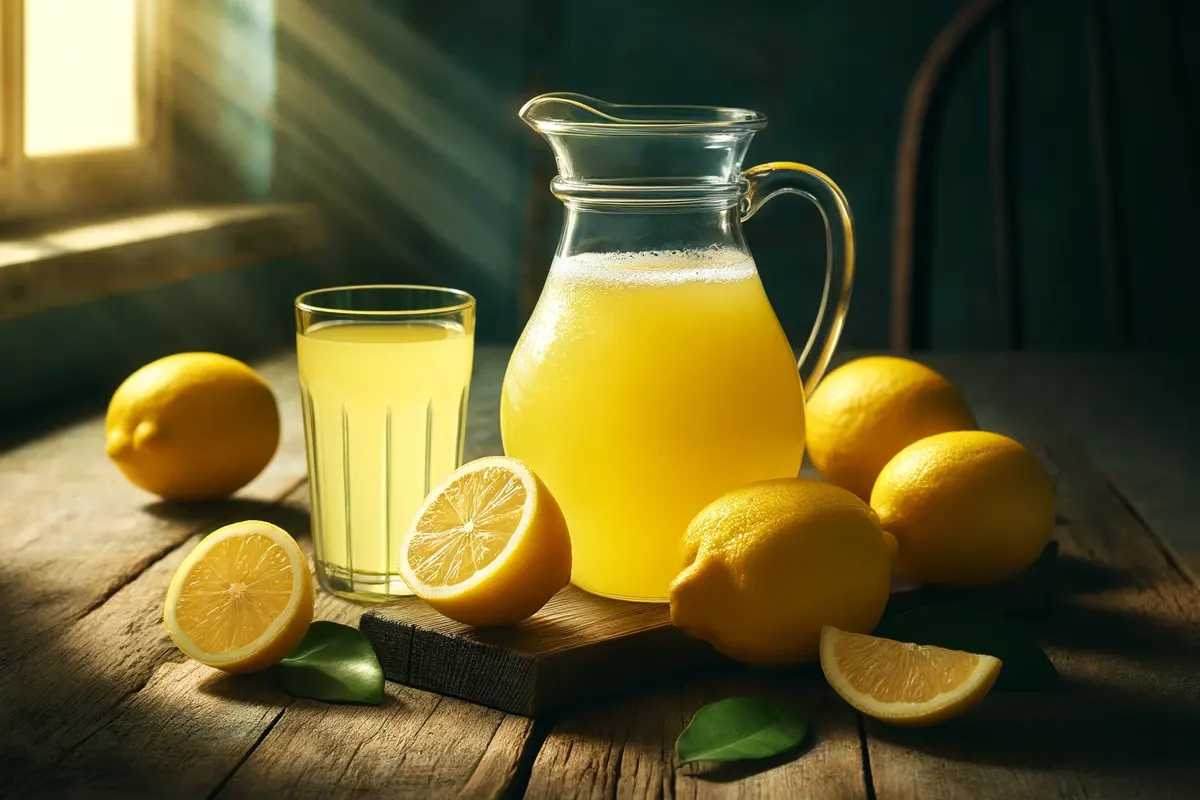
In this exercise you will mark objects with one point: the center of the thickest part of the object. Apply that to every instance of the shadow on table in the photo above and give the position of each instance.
(738, 770)
(261, 688)
(258, 688)
(1130, 701)
(1092, 727)
(1077, 576)
(1096, 629)
(22, 429)
(293, 519)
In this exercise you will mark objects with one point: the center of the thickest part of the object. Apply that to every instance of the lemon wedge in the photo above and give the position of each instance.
(904, 684)
(489, 546)
(242, 600)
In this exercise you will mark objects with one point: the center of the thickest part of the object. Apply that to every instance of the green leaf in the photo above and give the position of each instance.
(958, 627)
(740, 729)
(334, 663)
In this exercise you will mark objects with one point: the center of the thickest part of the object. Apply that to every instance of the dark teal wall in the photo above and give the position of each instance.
(401, 120)
(831, 78)
(83, 352)
(410, 137)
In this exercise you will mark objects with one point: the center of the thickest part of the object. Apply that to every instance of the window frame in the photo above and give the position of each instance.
(78, 183)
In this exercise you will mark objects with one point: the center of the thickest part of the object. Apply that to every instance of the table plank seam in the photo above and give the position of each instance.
(358, 748)
(262, 737)
(522, 772)
(864, 748)
(113, 715)
(491, 738)
(621, 750)
(483, 753)
(119, 582)
(1169, 554)
(1065, 450)
(417, 733)
(1068, 454)
(207, 525)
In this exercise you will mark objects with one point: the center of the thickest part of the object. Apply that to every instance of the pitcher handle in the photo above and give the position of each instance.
(788, 177)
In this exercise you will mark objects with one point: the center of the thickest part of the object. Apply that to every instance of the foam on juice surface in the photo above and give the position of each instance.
(656, 267)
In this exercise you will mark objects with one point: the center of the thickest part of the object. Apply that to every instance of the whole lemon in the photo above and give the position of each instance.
(192, 426)
(769, 564)
(866, 411)
(967, 508)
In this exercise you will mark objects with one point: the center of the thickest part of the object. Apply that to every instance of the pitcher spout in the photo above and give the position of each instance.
(613, 144)
(562, 112)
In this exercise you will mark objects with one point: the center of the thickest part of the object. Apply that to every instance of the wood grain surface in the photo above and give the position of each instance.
(579, 647)
(1122, 633)
(99, 703)
(627, 748)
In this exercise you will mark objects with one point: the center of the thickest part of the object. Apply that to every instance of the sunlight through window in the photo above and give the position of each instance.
(80, 76)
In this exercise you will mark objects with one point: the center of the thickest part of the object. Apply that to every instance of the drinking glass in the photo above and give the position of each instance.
(384, 376)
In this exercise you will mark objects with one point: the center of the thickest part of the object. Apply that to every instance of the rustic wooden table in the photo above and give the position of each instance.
(95, 700)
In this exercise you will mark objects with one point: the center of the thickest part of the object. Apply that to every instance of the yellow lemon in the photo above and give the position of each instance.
(242, 600)
(769, 564)
(192, 426)
(489, 546)
(866, 411)
(904, 684)
(967, 508)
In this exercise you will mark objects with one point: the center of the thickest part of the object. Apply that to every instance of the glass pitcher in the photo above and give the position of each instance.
(653, 375)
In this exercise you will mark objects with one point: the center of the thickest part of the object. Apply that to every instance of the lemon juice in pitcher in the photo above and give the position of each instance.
(653, 375)
(647, 384)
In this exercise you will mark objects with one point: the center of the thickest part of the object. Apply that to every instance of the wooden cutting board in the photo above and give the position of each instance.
(580, 647)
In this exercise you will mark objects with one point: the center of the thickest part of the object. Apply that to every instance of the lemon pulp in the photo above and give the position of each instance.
(905, 684)
(466, 527)
(242, 599)
(489, 546)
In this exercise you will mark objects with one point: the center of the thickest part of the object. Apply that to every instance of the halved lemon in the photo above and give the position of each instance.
(489, 546)
(242, 600)
(904, 684)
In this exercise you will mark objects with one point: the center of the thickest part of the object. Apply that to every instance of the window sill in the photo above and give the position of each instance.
(72, 264)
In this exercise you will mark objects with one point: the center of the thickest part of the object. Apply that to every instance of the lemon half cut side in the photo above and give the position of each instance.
(489, 546)
(242, 599)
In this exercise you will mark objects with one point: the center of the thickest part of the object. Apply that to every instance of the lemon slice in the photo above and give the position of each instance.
(489, 546)
(242, 600)
(904, 684)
